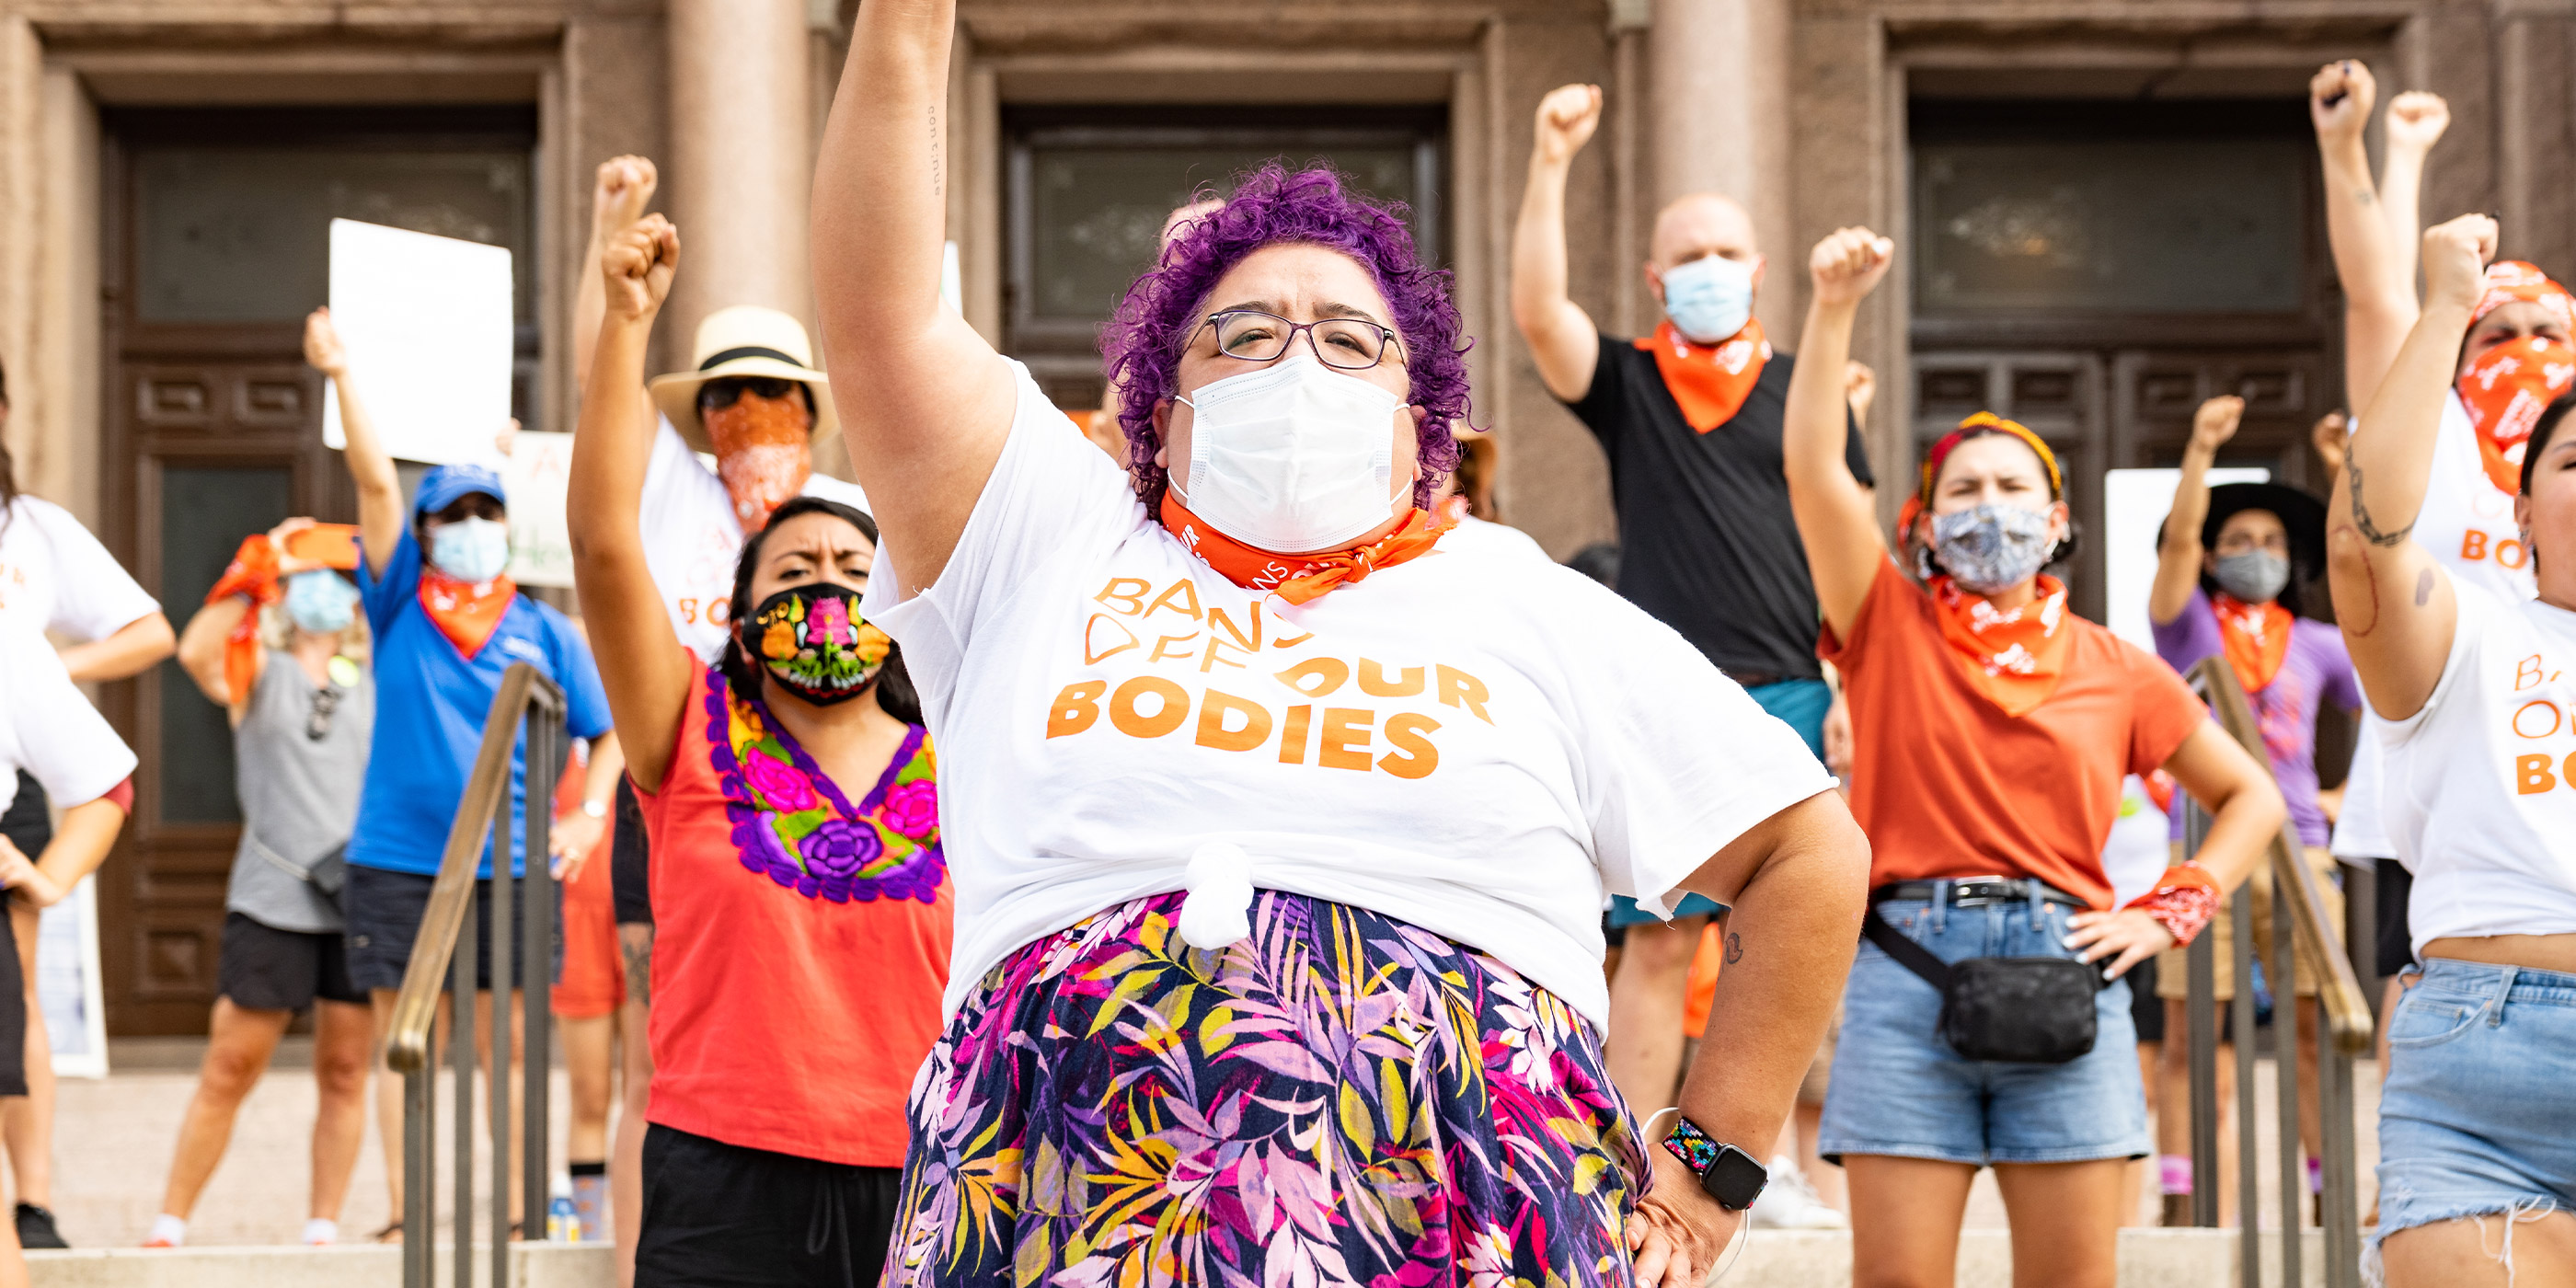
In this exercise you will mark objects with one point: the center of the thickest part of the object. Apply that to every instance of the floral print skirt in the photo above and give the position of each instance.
(1342, 1098)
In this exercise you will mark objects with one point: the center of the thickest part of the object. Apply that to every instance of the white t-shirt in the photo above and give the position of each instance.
(2140, 846)
(691, 537)
(2467, 524)
(1472, 742)
(1473, 533)
(48, 729)
(2482, 782)
(55, 576)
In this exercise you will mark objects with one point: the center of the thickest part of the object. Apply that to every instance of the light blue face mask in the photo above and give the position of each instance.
(474, 550)
(1709, 298)
(319, 602)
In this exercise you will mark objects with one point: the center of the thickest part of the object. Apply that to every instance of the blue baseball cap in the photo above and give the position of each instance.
(441, 487)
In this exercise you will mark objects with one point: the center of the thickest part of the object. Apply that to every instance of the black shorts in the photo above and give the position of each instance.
(27, 824)
(630, 856)
(2146, 1010)
(2396, 933)
(384, 909)
(267, 969)
(747, 1218)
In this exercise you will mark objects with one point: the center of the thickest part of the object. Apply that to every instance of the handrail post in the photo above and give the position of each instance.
(2249, 1141)
(499, 1096)
(460, 1060)
(2284, 972)
(546, 745)
(420, 1173)
(2200, 1010)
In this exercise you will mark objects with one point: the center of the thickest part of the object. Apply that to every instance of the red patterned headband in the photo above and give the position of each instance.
(1986, 422)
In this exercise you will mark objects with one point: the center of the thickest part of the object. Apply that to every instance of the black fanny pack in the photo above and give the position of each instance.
(2026, 1010)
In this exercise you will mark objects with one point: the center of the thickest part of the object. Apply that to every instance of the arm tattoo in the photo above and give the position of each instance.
(638, 951)
(2364, 197)
(938, 151)
(2424, 588)
(2361, 512)
(1734, 947)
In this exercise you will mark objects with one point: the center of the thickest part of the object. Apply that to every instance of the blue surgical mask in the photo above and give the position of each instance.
(473, 550)
(319, 602)
(1709, 298)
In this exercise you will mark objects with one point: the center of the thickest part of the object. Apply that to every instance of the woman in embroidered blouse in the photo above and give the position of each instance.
(1992, 730)
(798, 886)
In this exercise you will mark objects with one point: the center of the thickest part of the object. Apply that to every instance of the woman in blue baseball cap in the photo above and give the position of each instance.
(448, 622)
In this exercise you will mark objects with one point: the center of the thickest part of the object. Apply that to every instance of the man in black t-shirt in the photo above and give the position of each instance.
(1690, 419)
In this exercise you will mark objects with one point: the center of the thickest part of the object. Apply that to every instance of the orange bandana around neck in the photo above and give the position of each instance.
(465, 613)
(1709, 381)
(2015, 659)
(253, 576)
(2257, 637)
(1300, 578)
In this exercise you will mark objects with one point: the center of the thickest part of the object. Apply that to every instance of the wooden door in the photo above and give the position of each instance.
(215, 248)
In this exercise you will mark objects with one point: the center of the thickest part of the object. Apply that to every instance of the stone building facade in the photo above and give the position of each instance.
(2107, 210)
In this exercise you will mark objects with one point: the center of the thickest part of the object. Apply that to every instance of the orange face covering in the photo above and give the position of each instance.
(1299, 578)
(2257, 637)
(764, 452)
(465, 613)
(2508, 386)
(2015, 659)
(1710, 381)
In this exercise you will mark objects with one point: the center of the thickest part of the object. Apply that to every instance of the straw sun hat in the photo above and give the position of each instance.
(743, 341)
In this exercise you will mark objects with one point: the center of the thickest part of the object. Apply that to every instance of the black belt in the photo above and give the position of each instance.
(1971, 892)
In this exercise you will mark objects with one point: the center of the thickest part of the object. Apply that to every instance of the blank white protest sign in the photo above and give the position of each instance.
(427, 323)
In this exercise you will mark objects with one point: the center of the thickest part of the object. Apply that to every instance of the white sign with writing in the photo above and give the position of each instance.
(427, 322)
(540, 543)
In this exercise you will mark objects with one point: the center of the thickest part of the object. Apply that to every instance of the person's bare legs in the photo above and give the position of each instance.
(518, 1089)
(2173, 1095)
(389, 1102)
(2469, 1252)
(13, 1259)
(1798, 1141)
(341, 1048)
(1905, 1220)
(1643, 1049)
(27, 1122)
(239, 1042)
(2065, 1222)
(2150, 1058)
(626, 1163)
(590, 1058)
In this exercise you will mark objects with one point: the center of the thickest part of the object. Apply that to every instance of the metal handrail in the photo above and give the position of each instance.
(2302, 938)
(443, 960)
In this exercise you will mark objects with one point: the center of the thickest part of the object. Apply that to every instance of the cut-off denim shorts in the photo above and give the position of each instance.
(2478, 1114)
(1898, 1089)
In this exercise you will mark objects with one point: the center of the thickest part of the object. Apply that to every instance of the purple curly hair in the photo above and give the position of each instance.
(1277, 206)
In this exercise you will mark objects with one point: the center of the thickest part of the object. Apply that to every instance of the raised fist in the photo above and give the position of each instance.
(322, 347)
(2216, 422)
(638, 263)
(1566, 119)
(623, 188)
(2455, 260)
(2339, 99)
(1860, 388)
(2328, 436)
(2416, 120)
(1848, 264)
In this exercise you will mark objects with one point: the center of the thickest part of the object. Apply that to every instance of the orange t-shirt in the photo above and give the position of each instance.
(1947, 785)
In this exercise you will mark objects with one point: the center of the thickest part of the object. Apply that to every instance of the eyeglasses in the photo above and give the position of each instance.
(1350, 344)
(717, 394)
(317, 723)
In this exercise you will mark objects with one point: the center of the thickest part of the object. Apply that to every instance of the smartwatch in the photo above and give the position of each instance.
(1731, 1176)
(594, 809)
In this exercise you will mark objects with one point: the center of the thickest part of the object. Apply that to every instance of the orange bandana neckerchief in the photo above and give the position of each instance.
(2015, 659)
(465, 613)
(1300, 578)
(2257, 637)
(253, 576)
(1709, 381)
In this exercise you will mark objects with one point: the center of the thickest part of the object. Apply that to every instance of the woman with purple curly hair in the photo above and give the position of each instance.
(1279, 826)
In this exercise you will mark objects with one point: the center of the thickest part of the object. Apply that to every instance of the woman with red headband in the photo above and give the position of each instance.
(1992, 730)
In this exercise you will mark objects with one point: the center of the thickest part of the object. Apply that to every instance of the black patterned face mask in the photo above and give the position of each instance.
(812, 640)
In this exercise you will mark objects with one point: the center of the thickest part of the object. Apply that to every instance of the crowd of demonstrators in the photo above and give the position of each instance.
(279, 647)
(55, 577)
(1174, 951)
(2230, 564)
(800, 892)
(1690, 419)
(1993, 729)
(2477, 1177)
(445, 622)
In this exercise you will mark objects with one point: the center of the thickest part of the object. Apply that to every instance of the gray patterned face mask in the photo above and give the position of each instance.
(2254, 577)
(1991, 548)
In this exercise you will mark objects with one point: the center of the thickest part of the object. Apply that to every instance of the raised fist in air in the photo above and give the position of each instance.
(638, 263)
(2216, 422)
(2455, 260)
(2339, 99)
(623, 187)
(1848, 264)
(1566, 119)
(2416, 120)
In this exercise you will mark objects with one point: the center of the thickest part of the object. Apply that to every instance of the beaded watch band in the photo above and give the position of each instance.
(1731, 1176)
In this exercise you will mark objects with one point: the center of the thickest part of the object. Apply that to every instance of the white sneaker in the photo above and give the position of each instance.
(1790, 1203)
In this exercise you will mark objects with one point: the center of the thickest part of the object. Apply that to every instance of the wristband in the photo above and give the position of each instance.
(2183, 901)
(1731, 1176)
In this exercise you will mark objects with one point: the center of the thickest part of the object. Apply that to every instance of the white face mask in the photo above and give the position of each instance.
(1292, 457)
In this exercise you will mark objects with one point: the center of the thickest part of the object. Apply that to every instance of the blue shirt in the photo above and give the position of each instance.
(431, 701)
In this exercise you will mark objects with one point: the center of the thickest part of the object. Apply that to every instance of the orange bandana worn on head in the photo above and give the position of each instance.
(1300, 578)
(764, 453)
(1710, 381)
(2257, 637)
(465, 613)
(2015, 659)
(2506, 388)
(253, 576)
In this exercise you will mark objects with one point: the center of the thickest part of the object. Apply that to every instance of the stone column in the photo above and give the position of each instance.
(741, 160)
(1719, 122)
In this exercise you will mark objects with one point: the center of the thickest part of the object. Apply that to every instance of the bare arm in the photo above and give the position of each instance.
(380, 516)
(2178, 550)
(576, 832)
(130, 651)
(1562, 339)
(80, 844)
(2416, 120)
(2246, 813)
(2378, 304)
(1837, 520)
(619, 192)
(642, 664)
(201, 648)
(2395, 605)
(925, 403)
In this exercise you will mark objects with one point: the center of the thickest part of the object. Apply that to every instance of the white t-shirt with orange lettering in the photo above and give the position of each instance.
(2481, 783)
(1474, 741)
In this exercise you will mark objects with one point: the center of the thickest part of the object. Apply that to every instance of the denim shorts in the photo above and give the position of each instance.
(1898, 1089)
(1801, 704)
(2475, 1116)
